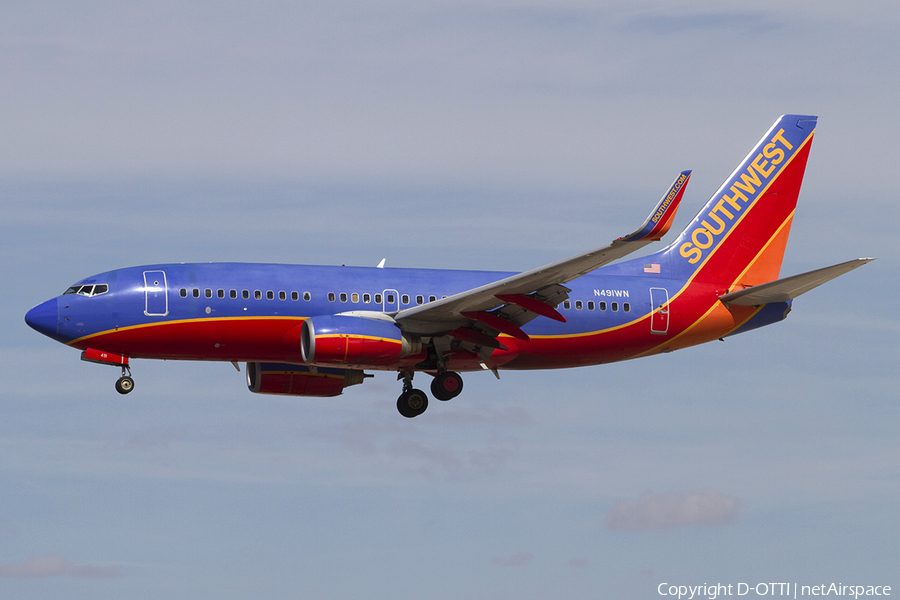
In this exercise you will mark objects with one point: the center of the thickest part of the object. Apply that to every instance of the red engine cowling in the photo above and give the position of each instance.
(356, 341)
(299, 380)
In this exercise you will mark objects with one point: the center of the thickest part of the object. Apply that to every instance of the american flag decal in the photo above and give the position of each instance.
(651, 268)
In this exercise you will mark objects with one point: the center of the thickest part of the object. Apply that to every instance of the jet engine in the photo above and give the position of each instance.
(299, 380)
(355, 340)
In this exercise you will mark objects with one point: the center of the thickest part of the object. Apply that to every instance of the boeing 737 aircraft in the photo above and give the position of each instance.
(312, 330)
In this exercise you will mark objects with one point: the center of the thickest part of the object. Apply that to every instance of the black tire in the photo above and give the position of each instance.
(447, 385)
(412, 403)
(124, 384)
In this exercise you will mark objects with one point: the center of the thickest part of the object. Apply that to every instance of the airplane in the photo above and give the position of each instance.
(314, 330)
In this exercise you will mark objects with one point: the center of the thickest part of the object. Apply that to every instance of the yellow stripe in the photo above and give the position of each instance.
(762, 251)
(181, 321)
(577, 335)
(719, 245)
(669, 341)
(751, 207)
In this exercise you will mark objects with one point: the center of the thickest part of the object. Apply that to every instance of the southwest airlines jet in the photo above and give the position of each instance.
(313, 330)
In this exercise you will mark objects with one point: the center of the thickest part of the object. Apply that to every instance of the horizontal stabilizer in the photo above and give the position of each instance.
(789, 288)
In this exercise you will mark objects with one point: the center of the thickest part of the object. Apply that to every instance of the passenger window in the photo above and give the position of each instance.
(404, 298)
(245, 294)
(420, 299)
(331, 296)
(367, 298)
(208, 293)
(567, 305)
(270, 295)
(390, 298)
(578, 305)
(257, 294)
(196, 293)
(591, 305)
(615, 306)
(343, 296)
(282, 295)
(377, 298)
(354, 298)
(626, 307)
(431, 298)
(295, 296)
(221, 293)
(307, 296)
(183, 292)
(233, 294)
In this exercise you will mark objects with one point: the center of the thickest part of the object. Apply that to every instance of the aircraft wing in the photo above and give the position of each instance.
(782, 290)
(520, 298)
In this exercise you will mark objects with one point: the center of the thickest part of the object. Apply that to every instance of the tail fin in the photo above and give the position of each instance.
(739, 237)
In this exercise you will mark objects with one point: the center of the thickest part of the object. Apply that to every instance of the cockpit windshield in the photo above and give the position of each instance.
(88, 290)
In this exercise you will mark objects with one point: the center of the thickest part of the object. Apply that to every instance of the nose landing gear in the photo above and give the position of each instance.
(102, 357)
(125, 383)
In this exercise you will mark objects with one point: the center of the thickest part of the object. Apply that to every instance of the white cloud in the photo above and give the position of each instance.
(671, 509)
(53, 565)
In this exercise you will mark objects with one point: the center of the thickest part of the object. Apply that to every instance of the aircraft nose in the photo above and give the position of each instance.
(44, 318)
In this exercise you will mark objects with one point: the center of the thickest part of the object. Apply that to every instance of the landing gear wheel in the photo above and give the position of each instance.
(446, 385)
(124, 384)
(412, 403)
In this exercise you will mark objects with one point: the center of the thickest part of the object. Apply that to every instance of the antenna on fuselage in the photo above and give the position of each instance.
(381, 264)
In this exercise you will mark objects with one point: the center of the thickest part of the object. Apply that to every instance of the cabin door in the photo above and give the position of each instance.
(156, 296)
(659, 306)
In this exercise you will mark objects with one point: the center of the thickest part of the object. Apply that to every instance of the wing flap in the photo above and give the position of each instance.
(498, 322)
(532, 304)
(477, 338)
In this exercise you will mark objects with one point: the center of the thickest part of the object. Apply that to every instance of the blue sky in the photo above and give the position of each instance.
(501, 135)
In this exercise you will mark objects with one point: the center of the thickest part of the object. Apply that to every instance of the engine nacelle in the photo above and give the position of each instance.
(299, 380)
(355, 340)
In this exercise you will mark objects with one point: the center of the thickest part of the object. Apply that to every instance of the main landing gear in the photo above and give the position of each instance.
(446, 385)
(412, 402)
(125, 383)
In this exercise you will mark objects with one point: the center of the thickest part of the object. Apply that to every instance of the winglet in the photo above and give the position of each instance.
(660, 220)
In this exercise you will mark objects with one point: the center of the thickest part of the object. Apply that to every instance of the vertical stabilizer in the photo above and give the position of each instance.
(739, 237)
